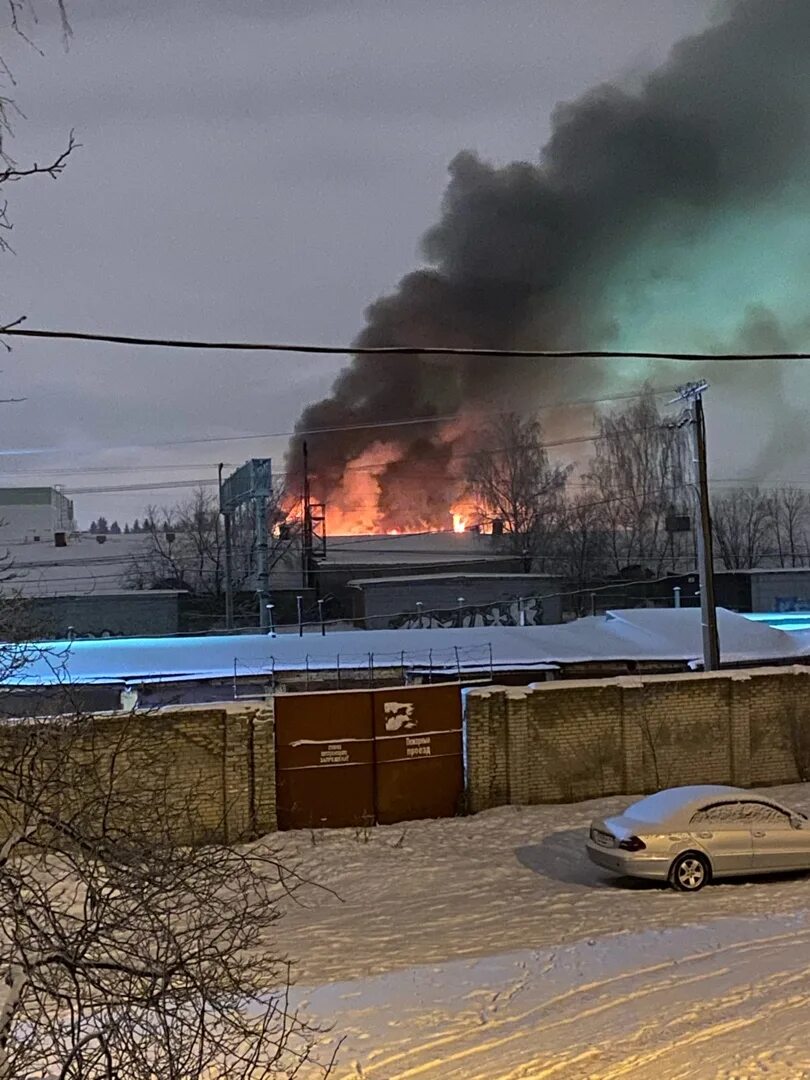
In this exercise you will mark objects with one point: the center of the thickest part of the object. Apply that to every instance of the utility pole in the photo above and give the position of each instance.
(261, 490)
(226, 518)
(693, 393)
(306, 536)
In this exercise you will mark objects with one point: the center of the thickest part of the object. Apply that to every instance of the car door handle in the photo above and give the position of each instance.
(704, 836)
(757, 832)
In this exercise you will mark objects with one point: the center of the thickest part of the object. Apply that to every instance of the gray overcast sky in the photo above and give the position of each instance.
(257, 170)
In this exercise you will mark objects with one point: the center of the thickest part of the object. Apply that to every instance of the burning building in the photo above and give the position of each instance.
(667, 212)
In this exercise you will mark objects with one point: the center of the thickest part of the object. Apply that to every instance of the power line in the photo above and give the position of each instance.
(572, 440)
(366, 467)
(114, 469)
(159, 486)
(392, 350)
(407, 422)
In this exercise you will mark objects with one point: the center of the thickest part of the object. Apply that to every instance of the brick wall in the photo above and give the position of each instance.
(563, 741)
(194, 774)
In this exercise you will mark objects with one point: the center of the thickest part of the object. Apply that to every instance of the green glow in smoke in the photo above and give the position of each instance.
(695, 289)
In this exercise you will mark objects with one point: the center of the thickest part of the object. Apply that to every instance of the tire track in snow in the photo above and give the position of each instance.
(710, 1031)
(737, 948)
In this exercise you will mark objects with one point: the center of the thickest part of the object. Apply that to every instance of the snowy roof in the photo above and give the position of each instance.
(753, 570)
(460, 576)
(415, 549)
(636, 635)
(83, 567)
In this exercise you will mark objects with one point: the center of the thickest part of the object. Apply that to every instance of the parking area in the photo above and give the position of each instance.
(495, 936)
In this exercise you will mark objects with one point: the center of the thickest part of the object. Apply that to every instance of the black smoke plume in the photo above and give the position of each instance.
(526, 255)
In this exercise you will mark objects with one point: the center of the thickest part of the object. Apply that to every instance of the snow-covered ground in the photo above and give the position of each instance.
(488, 948)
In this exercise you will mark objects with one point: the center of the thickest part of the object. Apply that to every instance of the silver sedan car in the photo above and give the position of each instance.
(690, 835)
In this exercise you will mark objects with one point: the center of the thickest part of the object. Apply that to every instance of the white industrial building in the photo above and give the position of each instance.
(35, 515)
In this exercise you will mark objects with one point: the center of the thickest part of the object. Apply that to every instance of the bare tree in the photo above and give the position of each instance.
(637, 478)
(184, 546)
(512, 480)
(21, 15)
(584, 550)
(123, 952)
(789, 510)
(742, 523)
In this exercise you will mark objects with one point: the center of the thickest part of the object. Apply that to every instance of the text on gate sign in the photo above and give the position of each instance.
(417, 746)
(334, 754)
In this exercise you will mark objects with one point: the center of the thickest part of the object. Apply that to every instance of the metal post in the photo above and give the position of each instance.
(271, 626)
(228, 572)
(419, 613)
(460, 610)
(226, 519)
(320, 617)
(306, 534)
(693, 393)
(299, 605)
(262, 569)
(676, 596)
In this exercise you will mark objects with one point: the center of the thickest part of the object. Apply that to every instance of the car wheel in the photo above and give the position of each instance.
(690, 872)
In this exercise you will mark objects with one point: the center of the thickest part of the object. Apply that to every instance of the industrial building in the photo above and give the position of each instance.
(32, 515)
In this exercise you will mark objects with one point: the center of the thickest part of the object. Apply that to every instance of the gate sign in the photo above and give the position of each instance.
(251, 481)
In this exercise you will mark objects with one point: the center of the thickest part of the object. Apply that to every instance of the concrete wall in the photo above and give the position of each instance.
(389, 603)
(127, 614)
(780, 590)
(557, 742)
(209, 773)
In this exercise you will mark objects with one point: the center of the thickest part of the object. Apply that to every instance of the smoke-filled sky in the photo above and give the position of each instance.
(668, 211)
(265, 169)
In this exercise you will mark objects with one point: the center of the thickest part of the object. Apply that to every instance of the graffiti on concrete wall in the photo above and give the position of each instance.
(791, 603)
(505, 613)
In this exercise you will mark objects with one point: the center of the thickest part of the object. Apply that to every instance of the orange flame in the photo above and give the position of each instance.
(353, 506)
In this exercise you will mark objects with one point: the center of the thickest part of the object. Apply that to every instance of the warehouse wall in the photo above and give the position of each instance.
(383, 604)
(562, 741)
(125, 614)
(782, 590)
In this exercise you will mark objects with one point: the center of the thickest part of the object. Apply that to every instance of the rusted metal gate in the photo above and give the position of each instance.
(324, 759)
(417, 743)
(355, 757)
